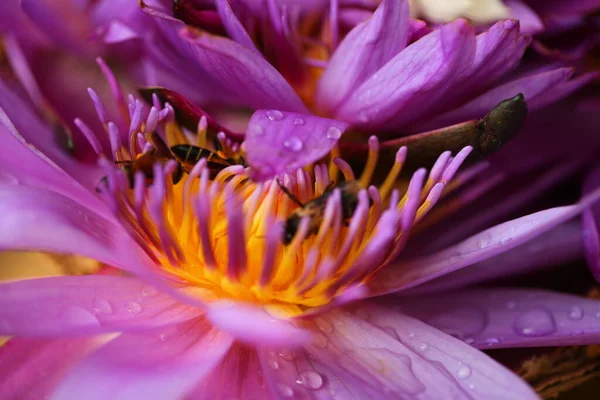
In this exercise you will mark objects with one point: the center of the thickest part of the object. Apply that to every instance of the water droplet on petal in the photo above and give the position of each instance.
(464, 371)
(285, 390)
(293, 144)
(320, 340)
(423, 347)
(576, 313)
(333, 133)
(288, 355)
(102, 306)
(511, 305)
(471, 386)
(411, 335)
(274, 115)
(273, 364)
(311, 379)
(324, 325)
(79, 316)
(255, 130)
(469, 340)
(298, 121)
(148, 291)
(484, 241)
(505, 240)
(133, 308)
(492, 340)
(535, 322)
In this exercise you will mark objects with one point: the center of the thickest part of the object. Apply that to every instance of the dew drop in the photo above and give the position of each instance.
(293, 144)
(472, 386)
(511, 305)
(274, 115)
(333, 133)
(285, 390)
(255, 130)
(298, 121)
(288, 355)
(79, 316)
(311, 379)
(163, 337)
(505, 240)
(411, 335)
(133, 308)
(469, 340)
(464, 371)
(148, 291)
(325, 326)
(492, 340)
(484, 241)
(320, 341)
(102, 306)
(576, 313)
(273, 364)
(535, 322)
(423, 347)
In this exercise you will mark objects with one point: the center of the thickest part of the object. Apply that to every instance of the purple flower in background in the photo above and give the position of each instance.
(305, 285)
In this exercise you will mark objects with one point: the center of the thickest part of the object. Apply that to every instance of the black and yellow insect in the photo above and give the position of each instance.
(188, 156)
(314, 210)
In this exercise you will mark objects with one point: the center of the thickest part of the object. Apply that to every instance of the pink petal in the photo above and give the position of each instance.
(591, 225)
(420, 75)
(234, 27)
(251, 324)
(162, 365)
(31, 368)
(243, 72)
(560, 246)
(78, 305)
(482, 246)
(238, 376)
(362, 52)
(388, 355)
(279, 142)
(499, 318)
(37, 219)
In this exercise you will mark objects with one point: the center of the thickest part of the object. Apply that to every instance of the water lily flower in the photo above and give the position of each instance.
(211, 294)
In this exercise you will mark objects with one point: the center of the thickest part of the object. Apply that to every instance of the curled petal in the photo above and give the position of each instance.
(500, 318)
(76, 305)
(591, 225)
(164, 364)
(279, 142)
(484, 245)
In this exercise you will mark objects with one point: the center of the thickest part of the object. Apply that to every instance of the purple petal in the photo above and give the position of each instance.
(79, 305)
(165, 364)
(363, 51)
(278, 142)
(234, 27)
(591, 225)
(534, 87)
(31, 368)
(23, 163)
(243, 72)
(242, 371)
(251, 324)
(421, 74)
(37, 219)
(389, 356)
(50, 17)
(482, 246)
(560, 246)
(19, 118)
(529, 20)
(500, 318)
